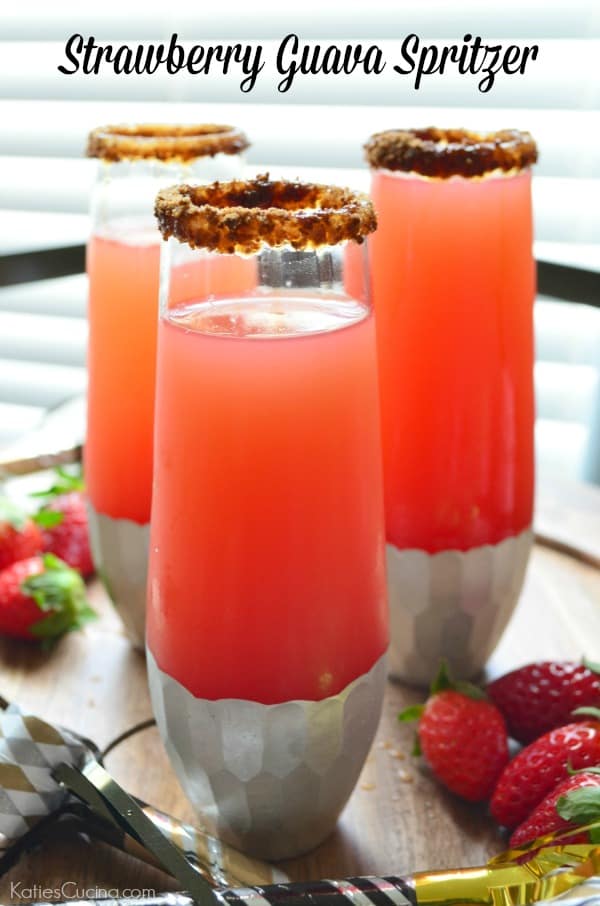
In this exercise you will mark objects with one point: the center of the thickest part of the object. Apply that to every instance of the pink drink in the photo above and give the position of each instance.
(135, 161)
(123, 314)
(267, 618)
(454, 284)
(266, 574)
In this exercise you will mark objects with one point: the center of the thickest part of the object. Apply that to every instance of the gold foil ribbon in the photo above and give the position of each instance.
(545, 870)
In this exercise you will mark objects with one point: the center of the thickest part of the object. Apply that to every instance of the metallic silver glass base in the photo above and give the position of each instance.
(120, 554)
(452, 604)
(268, 779)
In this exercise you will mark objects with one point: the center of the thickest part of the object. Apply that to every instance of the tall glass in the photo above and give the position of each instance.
(267, 615)
(454, 284)
(123, 265)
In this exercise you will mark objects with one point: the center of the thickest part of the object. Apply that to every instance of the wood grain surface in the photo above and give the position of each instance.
(398, 819)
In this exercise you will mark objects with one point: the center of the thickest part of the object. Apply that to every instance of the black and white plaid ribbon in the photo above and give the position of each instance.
(30, 749)
(35, 755)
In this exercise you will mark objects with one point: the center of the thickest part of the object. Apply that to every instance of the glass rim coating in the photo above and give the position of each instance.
(164, 141)
(443, 153)
(243, 216)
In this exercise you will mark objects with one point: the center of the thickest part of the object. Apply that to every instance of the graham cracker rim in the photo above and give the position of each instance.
(164, 141)
(443, 153)
(242, 216)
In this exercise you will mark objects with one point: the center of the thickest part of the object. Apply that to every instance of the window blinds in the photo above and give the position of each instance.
(321, 122)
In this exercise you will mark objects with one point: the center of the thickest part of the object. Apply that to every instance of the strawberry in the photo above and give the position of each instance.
(541, 696)
(547, 817)
(64, 524)
(541, 766)
(462, 736)
(64, 527)
(19, 535)
(41, 598)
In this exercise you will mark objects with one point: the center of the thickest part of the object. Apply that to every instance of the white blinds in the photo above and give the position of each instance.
(271, 19)
(563, 77)
(322, 121)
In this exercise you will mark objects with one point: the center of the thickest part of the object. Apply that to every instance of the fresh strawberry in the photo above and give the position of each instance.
(462, 736)
(541, 696)
(546, 817)
(64, 526)
(19, 535)
(41, 598)
(541, 766)
(63, 521)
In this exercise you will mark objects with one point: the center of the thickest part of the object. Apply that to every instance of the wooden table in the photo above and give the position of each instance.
(398, 819)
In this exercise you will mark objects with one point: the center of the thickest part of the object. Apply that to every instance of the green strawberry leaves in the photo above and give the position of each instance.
(413, 712)
(594, 666)
(572, 772)
(581, 807)
(59, 592)
(65, 482)
(587, 711)
(48, 518)
(443, 681)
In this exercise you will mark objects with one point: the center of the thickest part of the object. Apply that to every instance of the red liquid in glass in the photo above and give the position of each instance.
(266, 569)
(454, 285)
